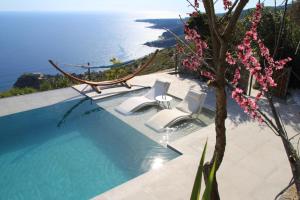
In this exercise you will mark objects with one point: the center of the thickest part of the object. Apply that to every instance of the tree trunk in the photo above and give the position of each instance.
(289, 148)
(294, 163)
(221, 115)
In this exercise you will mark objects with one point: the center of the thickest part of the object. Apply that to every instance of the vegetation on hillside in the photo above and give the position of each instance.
(17, 91)
(30, 83)
(167, 39)
(294, 12)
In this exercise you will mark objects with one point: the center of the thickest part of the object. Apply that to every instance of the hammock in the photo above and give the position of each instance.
(96, 85)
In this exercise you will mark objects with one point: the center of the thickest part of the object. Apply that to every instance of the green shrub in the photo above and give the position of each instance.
(45, 85)
(17, 91)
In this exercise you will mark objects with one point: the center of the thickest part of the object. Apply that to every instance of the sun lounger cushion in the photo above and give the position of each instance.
(134, 103)
(191, 104)
(163, 118)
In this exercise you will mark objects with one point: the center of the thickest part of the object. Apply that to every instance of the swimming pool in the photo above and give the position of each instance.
(71, 150)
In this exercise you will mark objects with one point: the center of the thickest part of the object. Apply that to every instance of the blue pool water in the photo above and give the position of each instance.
(71, 150)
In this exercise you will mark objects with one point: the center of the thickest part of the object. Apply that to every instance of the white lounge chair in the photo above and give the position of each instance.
(132, 104)
(192, 104)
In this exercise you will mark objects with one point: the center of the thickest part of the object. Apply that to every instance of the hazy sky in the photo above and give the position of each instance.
(159, 8)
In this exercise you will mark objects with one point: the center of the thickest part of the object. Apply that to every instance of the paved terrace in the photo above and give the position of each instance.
(254, 167)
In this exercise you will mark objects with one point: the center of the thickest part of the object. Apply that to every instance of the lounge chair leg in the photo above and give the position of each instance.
(96, 88)
(128, 85)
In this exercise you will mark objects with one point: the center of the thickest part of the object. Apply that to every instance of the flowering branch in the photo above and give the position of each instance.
(180, 49)
(246, 58)
(235, 16)
(243, 57)
(229, 11)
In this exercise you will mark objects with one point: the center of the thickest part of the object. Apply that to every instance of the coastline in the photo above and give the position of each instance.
(166, 39)
(27, 41)
(26, 79)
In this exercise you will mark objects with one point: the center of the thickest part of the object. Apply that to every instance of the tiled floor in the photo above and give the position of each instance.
(254, 167)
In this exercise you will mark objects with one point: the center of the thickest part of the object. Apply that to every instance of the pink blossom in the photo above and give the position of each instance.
(237, 76)
(229, 59)
(194, 61)
(227, 4)
(249, 33)
(246, 56)
(208, 75)
(179, 48)
(194, 14)
(281, 63)
(247, 41)
(241, 47)
(248, 105)
(258, 96)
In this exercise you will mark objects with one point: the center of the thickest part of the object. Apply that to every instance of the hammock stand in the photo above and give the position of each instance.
(96, 85)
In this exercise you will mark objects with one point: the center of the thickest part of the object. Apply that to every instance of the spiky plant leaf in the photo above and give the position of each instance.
(208, 189)
(197, 183)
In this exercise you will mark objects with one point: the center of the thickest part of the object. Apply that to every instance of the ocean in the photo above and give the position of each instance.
(29, 39)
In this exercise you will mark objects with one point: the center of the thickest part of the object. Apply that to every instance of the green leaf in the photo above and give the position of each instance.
(197, 183)
(208, 189)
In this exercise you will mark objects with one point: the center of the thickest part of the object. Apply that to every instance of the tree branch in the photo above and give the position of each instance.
(233, 20)
(198, 11)
(229, 11)
(282, 26)
(214, 38)
(213, 21)
(191, 49)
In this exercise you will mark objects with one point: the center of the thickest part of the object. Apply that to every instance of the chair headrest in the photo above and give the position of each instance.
(193, 102)
(160, 87)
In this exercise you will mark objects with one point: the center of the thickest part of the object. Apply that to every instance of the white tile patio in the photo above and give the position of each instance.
(254, 167)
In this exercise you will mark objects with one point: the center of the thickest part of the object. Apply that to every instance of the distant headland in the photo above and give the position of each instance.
(166, 39)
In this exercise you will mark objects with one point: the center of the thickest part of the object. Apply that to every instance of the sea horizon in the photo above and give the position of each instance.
(29, 38)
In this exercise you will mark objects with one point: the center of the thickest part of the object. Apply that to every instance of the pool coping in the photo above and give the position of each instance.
(87, 91)
(23, 103)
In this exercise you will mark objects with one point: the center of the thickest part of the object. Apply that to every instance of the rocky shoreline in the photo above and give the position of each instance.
(166, 39)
